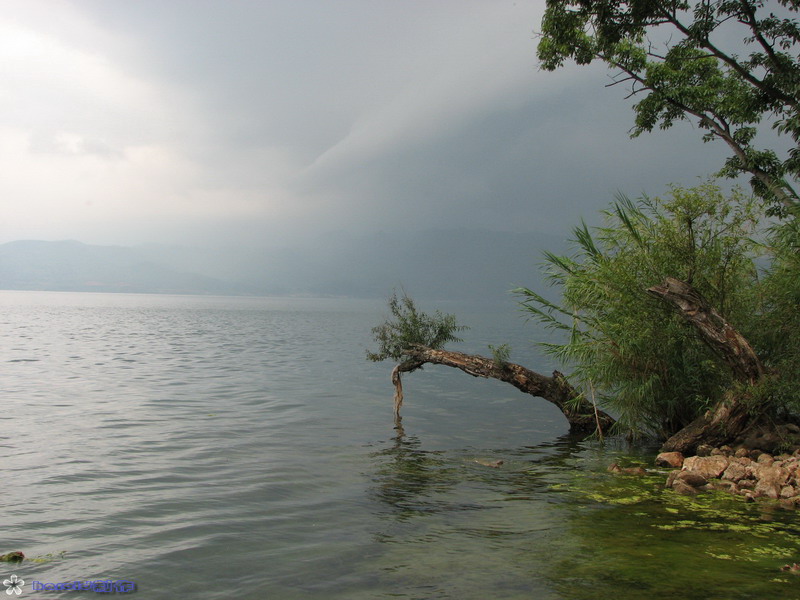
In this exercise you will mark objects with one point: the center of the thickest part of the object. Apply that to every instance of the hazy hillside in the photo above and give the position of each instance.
(441, 264)
(73, 266)
(436, 264)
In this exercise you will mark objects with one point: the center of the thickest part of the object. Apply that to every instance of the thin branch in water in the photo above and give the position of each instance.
(596, 413)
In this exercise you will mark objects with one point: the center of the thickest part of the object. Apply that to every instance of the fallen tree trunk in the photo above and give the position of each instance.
(730, 417)
(582, 415)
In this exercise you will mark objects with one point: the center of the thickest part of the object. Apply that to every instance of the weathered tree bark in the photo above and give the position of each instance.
(581, 414)
(724, 423)
(730, 417)
(723, 339)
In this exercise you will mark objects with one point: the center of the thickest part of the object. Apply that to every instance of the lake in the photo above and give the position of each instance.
(232, 447)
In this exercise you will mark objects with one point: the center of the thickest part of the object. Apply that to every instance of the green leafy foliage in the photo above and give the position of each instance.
(726, 65)
(408, 327)
(500, 354)
(648, 364)
(777, 329)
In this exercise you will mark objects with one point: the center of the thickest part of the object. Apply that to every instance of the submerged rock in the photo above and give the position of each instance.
(692, 478)
(495, 464)
(684, 488)
(615, 468)
(12, 557)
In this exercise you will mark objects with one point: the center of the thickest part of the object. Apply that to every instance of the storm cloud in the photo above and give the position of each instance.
(219, 122)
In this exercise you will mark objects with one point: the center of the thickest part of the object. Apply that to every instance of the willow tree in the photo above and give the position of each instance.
(413, 339)
(727, 65)
(679, 312)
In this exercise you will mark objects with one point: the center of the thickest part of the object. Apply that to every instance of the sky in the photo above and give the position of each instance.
(217, 122)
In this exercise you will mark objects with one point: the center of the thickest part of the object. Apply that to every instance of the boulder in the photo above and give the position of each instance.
(684, 488)
(724, 485)
(692, 478)
(639, 471)
(767, 489)
(765, 458)
(772, 475)
(768, 439)
(672, 460)
(707, 466)
(735, 472)
(673, 475)
(704, 450)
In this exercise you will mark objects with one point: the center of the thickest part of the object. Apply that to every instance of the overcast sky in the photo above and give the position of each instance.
(222, 121)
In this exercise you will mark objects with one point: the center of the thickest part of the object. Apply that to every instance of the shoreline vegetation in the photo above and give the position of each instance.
(680, 314)
(661, 357)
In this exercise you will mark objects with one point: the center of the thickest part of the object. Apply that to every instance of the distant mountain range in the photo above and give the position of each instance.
(442, 264)
(73, 266)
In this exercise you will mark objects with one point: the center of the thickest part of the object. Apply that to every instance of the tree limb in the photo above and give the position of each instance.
(580, 413)
(720, 336)
(730, 417)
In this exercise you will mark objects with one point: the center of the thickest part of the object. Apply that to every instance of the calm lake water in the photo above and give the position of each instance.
(208, 447)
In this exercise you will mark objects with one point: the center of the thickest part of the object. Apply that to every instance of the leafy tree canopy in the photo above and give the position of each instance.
(409, 327)
(650, 367)
(725, 64)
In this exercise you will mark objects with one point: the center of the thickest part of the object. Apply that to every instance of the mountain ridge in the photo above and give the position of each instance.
(434, 264)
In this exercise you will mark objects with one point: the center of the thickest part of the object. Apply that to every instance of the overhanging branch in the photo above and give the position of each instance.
(581, 414)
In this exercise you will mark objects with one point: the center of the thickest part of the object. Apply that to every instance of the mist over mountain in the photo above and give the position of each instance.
(73, 266)
(434, 264)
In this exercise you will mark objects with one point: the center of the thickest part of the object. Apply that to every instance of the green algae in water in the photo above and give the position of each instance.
(49, 557)
(559, 526)
(631, 538)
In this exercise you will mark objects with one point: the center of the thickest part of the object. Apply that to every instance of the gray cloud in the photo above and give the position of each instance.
(238, 121)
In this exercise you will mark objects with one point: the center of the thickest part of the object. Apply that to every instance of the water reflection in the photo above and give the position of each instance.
(407, 477)
(453, 527)
(410, 480)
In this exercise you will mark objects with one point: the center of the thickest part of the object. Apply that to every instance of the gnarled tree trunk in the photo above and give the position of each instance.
(581, 414)
(729, 418)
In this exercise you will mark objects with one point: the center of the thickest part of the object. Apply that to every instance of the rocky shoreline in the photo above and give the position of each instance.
(752, 473)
